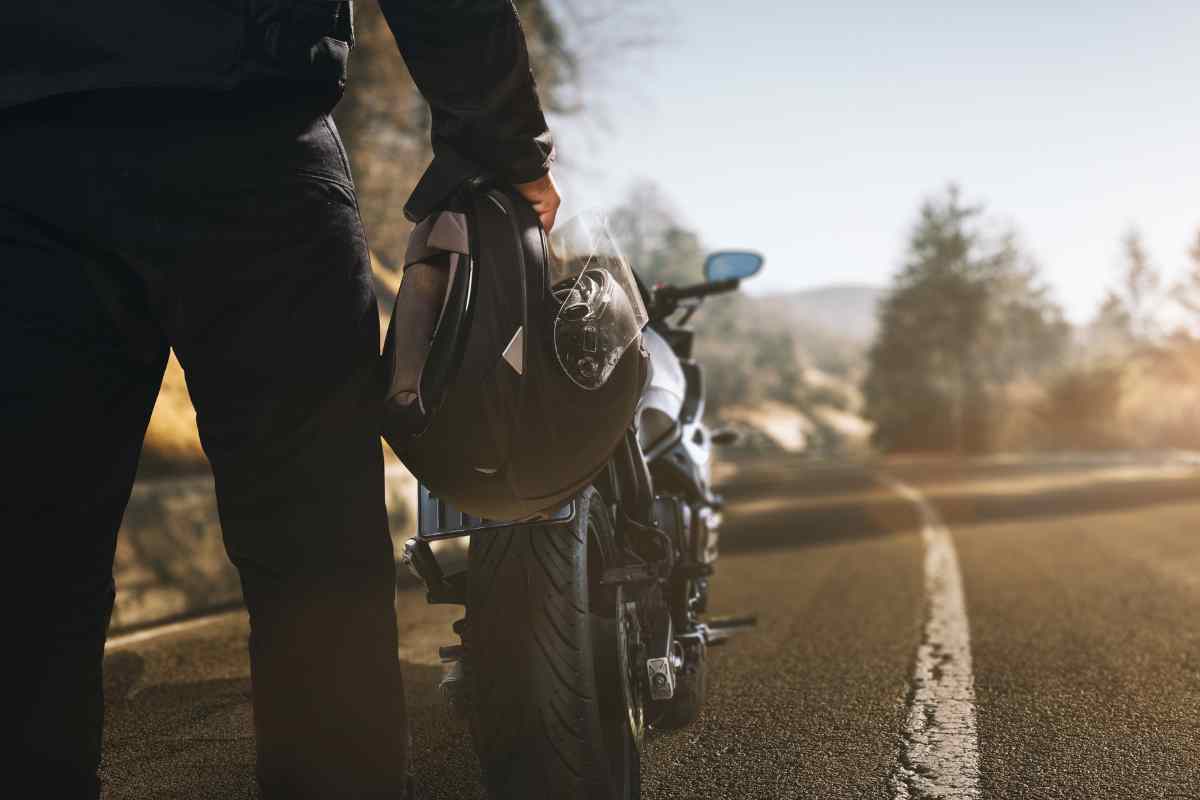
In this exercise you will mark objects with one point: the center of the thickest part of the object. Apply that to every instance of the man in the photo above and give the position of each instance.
(171, 179)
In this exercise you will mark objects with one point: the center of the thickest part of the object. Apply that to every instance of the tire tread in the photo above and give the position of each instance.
(535, 720)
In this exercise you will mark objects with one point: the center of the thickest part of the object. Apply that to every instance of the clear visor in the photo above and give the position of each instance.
(600, 311)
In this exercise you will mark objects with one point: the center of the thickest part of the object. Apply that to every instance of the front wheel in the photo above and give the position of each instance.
(556, 705)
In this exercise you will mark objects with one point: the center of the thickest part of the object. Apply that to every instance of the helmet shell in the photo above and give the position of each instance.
(510, 435)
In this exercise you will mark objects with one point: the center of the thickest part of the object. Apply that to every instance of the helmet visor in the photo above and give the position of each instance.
(600, 311)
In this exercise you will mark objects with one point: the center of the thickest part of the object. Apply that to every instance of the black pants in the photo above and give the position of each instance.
(225, 227)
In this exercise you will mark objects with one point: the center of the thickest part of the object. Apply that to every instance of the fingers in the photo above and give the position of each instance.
(543, 195)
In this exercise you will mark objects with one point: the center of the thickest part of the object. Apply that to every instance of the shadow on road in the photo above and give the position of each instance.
(961, 509)
(785, 504)
(174, 740)
(774, 504)
(194, 739)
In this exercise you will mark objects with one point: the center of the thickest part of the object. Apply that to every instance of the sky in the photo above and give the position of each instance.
(811, 132)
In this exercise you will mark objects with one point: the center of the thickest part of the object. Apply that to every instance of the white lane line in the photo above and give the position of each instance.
(939, 752)
(137, 637)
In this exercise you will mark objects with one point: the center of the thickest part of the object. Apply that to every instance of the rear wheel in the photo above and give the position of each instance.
(556, 706)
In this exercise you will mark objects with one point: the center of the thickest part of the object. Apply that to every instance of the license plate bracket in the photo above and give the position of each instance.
(438, 520)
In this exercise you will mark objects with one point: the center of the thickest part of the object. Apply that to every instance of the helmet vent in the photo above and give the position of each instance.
(514, 353)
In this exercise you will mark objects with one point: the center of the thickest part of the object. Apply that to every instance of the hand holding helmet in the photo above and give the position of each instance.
(543, 195)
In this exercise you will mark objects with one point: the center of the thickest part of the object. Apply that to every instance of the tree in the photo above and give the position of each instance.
(917, 381)
(640, 224)
(1128, 316)
(1187, 291)
(1110, 333)
(1139, 287)
(1026, 330)
(384, 122)
(747, 359)
(965, 315)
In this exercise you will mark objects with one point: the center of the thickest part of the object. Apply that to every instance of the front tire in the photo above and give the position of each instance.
(549, 663)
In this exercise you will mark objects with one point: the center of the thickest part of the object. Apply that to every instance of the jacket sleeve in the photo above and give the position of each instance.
(469, 60)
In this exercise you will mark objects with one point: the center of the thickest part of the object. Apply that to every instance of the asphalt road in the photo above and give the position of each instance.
(1080, 589)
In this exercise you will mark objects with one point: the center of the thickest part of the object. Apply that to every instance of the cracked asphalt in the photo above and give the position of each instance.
(1081, 579)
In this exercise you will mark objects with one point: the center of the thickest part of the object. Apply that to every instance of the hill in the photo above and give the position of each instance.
(841, 311)
(787, 366)
(831, 325)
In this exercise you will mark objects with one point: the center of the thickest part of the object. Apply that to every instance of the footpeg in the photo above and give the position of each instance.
(453, 686)
(717, 631)
(409, 557)
(451, 652)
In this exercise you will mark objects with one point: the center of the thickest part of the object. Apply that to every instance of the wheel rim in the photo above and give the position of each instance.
(629, 655)
(616, 647)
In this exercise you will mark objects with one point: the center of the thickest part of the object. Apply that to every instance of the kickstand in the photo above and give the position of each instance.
(718, 630)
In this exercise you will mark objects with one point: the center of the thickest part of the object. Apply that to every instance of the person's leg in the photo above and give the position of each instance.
(74, 402)
(274, 319)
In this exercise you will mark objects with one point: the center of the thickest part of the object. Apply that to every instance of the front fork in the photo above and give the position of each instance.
(667, 553)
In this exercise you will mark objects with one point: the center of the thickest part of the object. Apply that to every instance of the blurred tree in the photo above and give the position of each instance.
(642, 224)
(1081, 409)
(1026, 330)
(384, 122)
(678, 258)
(1128, 316)
(1139, 287)
(776, 358)
(964, 316)
(747, 359)
(1187, 291)
(920, 367)
(555, 61)
(1110, 333)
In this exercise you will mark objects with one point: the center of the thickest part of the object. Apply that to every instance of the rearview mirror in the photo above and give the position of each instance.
(731, 265)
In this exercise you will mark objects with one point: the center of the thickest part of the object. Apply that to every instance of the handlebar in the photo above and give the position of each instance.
(697, 290)
(666, 298)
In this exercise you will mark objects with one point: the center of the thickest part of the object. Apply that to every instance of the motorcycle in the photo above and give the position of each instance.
(588, 627)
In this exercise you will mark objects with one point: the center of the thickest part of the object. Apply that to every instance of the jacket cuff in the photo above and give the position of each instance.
(541, 156)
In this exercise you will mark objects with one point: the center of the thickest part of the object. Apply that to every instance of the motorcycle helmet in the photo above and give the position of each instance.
(513, 364)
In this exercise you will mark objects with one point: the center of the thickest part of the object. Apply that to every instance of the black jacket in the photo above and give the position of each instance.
(468, 58)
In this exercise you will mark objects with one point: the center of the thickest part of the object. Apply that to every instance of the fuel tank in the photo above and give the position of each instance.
(662, 402)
